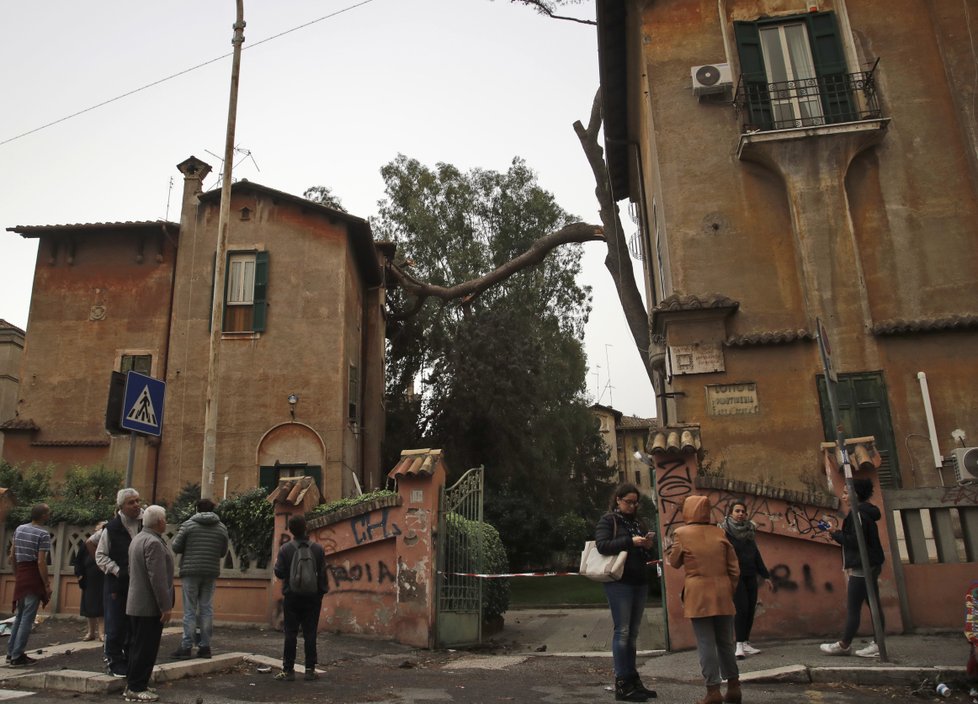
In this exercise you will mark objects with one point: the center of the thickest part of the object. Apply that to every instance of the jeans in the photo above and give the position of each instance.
(627, 602)
(301, 612)
(745, 600)
(23, 624)
(715, 646)
(856, 595)
(116, 627)
(198, 610)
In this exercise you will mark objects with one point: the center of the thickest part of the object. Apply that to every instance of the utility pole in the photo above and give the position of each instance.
(220, 272)
(840, 441)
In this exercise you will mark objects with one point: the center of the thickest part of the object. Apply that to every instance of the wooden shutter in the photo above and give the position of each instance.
(830, 67)
(261, 291)
(754, 76)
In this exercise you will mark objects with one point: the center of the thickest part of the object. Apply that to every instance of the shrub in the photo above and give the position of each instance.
(86, 497)
(495, 592)
(185, 505)
(250, 520)
(332, 506)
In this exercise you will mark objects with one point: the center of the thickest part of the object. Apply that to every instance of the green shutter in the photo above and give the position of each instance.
(261, 291)
(224, 298)
(752, 71)
(830, 66)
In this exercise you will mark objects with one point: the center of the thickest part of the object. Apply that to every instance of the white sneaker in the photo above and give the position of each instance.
(870, 651)
(740, 651)
(750, 649)
(835, 649)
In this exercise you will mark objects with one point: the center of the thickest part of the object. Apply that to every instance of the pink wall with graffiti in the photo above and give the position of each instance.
(805, 563)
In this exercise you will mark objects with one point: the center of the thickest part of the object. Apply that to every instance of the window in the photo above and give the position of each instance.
(354, 392)
(245, 292)
(863, 410)
(638, 477)
(268, 476)
(794, 71)
(142, 363)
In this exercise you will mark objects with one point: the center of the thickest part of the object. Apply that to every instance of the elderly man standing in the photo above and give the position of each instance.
(112, 557)
(150, 601)
(30, 549)
(202, 542)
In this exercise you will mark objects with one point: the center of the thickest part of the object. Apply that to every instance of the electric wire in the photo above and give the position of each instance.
(183, 72)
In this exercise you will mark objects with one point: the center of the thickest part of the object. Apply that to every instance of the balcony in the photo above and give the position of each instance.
(807, 103)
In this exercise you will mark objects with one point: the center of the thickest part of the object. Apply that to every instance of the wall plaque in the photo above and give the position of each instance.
(732, 399)
(701, 358)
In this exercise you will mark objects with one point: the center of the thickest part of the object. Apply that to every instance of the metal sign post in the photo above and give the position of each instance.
(142, 411)
(872, 596)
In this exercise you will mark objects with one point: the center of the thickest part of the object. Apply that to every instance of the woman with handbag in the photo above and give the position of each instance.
(619, 530)
(712, 572)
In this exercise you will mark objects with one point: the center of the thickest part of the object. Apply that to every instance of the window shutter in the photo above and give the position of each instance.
(261, 291)
(753, 73)
(830, 66)
(210, 305)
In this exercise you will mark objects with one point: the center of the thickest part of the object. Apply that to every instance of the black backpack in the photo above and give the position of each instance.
(303, 578)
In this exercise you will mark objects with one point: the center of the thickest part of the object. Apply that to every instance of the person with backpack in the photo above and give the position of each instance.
(301, 565)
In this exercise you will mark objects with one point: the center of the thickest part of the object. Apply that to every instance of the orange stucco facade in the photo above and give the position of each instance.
(108, 292)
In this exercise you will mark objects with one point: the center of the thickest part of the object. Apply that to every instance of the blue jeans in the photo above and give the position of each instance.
(198, 610)
(627, 604)
(23, 623)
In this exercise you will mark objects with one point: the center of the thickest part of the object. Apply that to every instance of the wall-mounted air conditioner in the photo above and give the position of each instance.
(966, 463)
(711, 78)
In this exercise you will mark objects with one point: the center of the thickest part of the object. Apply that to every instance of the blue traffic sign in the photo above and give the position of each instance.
(142, 411)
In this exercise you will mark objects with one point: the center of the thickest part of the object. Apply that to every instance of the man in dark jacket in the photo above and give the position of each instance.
(300, 611)
(112, 557)
(202, 541)
(856, 590)
(150, 601)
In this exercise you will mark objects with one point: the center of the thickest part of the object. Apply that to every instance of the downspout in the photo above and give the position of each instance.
(931, 429)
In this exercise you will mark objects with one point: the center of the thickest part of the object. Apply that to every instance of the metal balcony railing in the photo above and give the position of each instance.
(810, 102)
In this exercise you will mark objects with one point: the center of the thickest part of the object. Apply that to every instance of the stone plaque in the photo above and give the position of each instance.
(702, 358)
(732, 399)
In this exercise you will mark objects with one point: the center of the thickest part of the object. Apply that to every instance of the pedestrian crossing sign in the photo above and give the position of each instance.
(142, 411)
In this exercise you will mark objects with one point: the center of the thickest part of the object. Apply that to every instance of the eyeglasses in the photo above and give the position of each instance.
(630, 502)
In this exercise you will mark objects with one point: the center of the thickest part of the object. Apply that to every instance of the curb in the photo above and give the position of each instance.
(879, 675)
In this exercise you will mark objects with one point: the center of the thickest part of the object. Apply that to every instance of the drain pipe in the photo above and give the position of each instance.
(931, 430)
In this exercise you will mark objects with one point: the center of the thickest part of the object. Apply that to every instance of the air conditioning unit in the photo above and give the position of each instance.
(966, 463)
(711, 78)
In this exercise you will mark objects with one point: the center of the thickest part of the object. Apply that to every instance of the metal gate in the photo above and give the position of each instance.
(458, 621)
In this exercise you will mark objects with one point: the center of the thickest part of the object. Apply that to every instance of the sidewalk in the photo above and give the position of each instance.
(529, 635)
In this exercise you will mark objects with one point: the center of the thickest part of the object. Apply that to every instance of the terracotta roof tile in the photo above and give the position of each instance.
(679, 302)
(636, 423)
(417, 462)
(770, 337)
(899, 326)
(19, 424)
(675, 440)
(296, 491)
(38, 230)
(99, 442)
(4, 325)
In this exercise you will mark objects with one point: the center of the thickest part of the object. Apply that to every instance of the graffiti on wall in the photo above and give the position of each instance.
(674, 482)
(365, 576)
(960, 494)
(365, 531)
(783, 581)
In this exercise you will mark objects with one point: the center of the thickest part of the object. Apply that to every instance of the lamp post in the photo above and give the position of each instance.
(217, 304)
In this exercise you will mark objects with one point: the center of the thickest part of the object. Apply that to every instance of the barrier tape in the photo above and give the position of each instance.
(522, 574)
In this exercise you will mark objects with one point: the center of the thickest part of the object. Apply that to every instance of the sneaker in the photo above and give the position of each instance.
(750, 649)
(144, 696)
(118, 671)
(23, 661)
(870, 651)
(835, 649)
(286, 676)
(182, 654)
(740, 651)
(204, 652)
(311, 674)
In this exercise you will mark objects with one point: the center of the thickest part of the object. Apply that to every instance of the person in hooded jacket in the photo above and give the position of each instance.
(712, 572)
(741, 532)
(202, 542)
(618, 530)
(856, 590)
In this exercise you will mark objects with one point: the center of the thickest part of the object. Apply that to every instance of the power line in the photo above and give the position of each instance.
(185, 71)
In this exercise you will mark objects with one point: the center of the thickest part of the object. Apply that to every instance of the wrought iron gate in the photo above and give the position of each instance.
(458, 621)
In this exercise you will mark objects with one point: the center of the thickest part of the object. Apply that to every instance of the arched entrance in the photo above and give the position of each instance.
(291, 450)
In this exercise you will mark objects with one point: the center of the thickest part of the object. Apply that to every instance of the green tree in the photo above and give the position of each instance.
(503, 370)
(324, 196)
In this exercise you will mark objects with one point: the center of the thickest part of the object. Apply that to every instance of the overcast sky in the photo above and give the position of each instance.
(469, 82)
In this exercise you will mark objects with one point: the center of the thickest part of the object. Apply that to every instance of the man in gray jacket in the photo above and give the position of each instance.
(202, 541)
(150, 602)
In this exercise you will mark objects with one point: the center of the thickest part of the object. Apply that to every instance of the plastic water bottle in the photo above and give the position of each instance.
(943, 690)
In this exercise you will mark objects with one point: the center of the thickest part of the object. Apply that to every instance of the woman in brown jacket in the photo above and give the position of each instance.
(712, 573)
